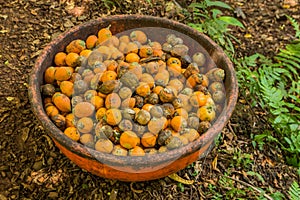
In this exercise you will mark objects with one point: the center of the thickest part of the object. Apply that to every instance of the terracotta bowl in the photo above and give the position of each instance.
(129, 168)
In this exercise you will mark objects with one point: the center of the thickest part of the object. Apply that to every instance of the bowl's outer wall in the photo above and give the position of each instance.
(131, 168)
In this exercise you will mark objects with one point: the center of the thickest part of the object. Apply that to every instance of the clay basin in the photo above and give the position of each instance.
(130, 168)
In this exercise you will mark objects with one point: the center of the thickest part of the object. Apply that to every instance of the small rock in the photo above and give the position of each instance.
(68, 24)
(2, 197)
(37, 165)
(53, 195)
(50, 161)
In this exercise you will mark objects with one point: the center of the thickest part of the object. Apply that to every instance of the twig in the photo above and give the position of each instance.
(249, 185)
(230, 128)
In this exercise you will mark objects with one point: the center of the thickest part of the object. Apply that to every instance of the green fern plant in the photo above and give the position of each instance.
(208, 18)
(274, 84)
(296, 26)
(294, 191)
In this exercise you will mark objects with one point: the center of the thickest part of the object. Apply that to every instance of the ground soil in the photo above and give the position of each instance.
(31, 167)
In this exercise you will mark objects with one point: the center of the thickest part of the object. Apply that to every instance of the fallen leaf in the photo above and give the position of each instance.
(135, 190)
(25, 133)
(247, 35)
(179, 179)
(10, 98)
(215, 163)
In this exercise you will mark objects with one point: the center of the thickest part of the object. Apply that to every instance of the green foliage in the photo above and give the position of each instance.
(274, 85)
(110, 4)
(181, 187)
(271, 84)
(277, 196)
(207, 18)
(259, 177)
(295, 24)
(243, 160)
(294, 191)
(232, 191)
(276, 88)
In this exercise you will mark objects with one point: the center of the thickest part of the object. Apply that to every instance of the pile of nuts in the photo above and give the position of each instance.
(129, 95)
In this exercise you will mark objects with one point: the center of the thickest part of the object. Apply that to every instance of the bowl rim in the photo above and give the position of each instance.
(110, 159)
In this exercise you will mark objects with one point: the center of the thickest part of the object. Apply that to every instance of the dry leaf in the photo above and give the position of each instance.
(215, 163)
(179, 179)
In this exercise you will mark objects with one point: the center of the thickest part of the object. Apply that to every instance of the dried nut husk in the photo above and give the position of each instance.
(104, 145)
(103, 131)
(128, 113)
(179, 50)
(85, 125)
(60, 121)
(48, 89)
(166, 47)
(216, 74)
(151, 151)
(143, 117)
(118, 150)
(191, 135)
(191, 69)
(139, 129)
(148, 139)
(152, 67)
(163, 136)
(193, 122)
(87, 139)
(203, 126)
(84, 109)
(125, 92)
(186, 60)
(187, 91)
(51, 110)
(176, 84)
(130, 80)
(62, 102)
(129, 139)
(95, 81)
(177, 103)
(72, 133)
(89, 94)
(183, 139)
(162, 149)
(152, 98)
(136, 151)
(109, 86)
(199, 58)
(138, 36)
(166, 95)
(95, 59)
(218, 96)
(75, 100)
(170, 37)
(201, 88)
(173, 40)
(125, 125)
(216, 86)
(194, 80)
(173, 142)
(168, 110)
(156, 111)
(80, 87)
(139, 101)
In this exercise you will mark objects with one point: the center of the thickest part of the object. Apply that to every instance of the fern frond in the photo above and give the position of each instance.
(290, 55)
(217, 4)
(294, 191)
(287, 59)
(295, 24)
